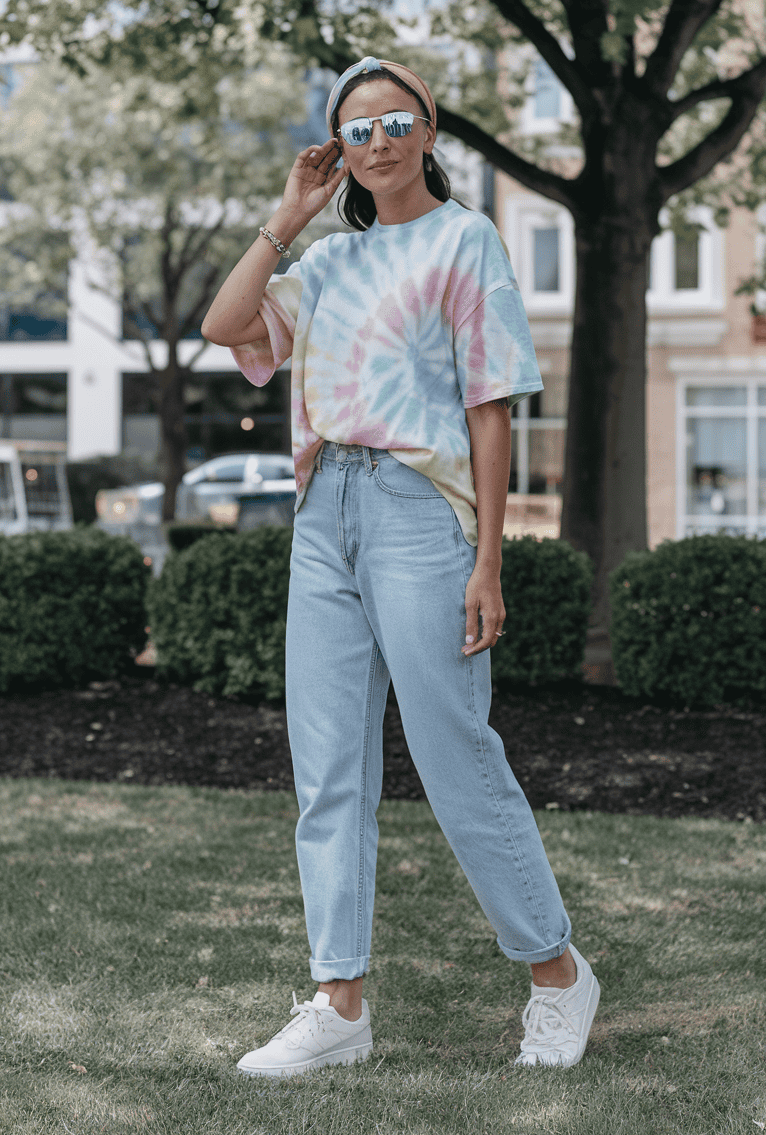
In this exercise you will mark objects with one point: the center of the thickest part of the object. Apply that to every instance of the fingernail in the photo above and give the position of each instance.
(469, 638)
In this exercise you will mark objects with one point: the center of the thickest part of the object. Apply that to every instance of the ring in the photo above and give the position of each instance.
(499, 632)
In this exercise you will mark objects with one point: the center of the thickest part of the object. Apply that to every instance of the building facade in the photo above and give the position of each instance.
(706, 381)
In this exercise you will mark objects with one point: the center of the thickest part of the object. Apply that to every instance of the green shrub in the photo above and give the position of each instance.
(218, 614)
(182, 535)
(71, 608)
(689, 621)
(546, 591)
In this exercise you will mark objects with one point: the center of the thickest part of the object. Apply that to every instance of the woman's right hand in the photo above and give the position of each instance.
(312, 180)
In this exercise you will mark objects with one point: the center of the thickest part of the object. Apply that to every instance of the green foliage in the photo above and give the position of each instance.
(218, 613)
(33, 264)
(71, 608)
(546, 590)
(165, 178)
(689, 621)
(181, 536)
(172, 39)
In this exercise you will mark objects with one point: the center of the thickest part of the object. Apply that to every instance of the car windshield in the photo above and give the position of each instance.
(273, 470)
(242, 468)
(226, 471)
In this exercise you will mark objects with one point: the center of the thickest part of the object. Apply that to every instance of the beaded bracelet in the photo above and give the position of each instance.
(275, 241)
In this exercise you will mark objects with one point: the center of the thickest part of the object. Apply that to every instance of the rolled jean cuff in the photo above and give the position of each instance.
(535, 956)
(343, 969)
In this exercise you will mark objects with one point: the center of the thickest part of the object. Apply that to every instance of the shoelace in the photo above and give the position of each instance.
(306, 1012)
(544, 1023)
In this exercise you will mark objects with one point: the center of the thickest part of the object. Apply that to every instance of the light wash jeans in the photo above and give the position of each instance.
(378, 574)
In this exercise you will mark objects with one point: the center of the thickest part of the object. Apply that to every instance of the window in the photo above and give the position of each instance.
(548, 103)
(30, 326)
(224, 413)
(723, 457)
(687, 261)
(226, 470)
(547, 97)
(539, 431)
(273, 469)
(33, 407)
(545, 254)
(541, 246)
(686, 269)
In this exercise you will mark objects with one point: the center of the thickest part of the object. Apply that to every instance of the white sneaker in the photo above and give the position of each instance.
(317, 1037)
(557, 1026)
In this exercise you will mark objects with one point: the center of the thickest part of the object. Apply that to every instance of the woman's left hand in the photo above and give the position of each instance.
(483, 594)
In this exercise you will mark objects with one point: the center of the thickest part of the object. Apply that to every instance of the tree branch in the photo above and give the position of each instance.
(169, 277)
(150, 317)
(683, 21)
(206, 290)
(568, 71)
(718, 88)
(702, 158)
(202, 348)
(550, 185)
(187, 257)
(199, 251)
(588, 22)
(144, 339)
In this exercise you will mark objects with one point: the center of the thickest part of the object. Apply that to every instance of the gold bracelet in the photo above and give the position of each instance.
(275, 241)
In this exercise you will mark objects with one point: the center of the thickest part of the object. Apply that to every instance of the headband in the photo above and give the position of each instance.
(370, 63)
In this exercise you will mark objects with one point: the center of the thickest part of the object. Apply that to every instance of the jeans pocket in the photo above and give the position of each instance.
(400, 480)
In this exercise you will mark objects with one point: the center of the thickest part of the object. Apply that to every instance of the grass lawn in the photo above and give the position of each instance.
(151, 936)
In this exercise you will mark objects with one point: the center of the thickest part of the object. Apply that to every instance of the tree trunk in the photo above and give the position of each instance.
(604, 506)
(172, 431)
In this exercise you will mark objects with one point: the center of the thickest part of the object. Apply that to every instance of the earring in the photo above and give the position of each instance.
(427, 162)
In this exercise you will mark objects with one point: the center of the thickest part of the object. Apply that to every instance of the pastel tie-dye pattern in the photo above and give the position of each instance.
(394, 332)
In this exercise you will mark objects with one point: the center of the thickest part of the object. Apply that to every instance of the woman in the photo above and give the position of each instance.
(408, 342)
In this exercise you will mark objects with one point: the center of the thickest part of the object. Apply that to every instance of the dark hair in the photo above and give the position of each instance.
(357, 205)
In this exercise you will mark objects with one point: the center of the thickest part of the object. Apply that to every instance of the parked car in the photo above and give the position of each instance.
(34, 494)
(242, 489)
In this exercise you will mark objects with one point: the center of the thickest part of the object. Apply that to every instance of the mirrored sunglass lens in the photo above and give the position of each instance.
(357, 132)
(397, 124)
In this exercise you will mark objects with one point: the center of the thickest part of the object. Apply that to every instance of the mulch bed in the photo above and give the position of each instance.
(571, 747)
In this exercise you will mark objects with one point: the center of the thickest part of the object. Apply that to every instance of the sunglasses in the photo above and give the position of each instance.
(396, 124)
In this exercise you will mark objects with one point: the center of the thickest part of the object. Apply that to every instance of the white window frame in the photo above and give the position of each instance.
(529, 123)
(663, 296)
(523, 216)
(521, 424)
(747, 372)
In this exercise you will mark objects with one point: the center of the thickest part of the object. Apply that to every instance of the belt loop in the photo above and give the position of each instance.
(367, 460)
(318, 460)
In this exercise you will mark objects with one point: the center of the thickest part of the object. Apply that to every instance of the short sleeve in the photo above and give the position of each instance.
(279, 311)
(494, 354)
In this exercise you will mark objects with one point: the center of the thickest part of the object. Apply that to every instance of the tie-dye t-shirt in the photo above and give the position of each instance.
(394, 332)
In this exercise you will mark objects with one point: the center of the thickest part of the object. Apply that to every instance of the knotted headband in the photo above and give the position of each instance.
(370, 63)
